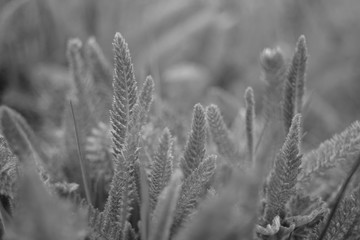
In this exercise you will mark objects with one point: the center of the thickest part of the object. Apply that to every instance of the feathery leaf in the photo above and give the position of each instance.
(123, 186)
(146, 93)
(142, 106)
(339, 197)
(161, 168)
(289, 97)
(345, 216)
(284, 177)
(195, 146)
(193, 188)
(231, 214)
(125, 93)
(123, 189)
(220, 133)
(341, 147)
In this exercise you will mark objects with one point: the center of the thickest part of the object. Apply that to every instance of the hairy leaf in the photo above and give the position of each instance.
(341, 147)
(125, 93)
(123, 191)
(284, 176)
(161, 168)
(195, 146)
(346, 215)
(193, 188)
(295, 83)
(220, 134)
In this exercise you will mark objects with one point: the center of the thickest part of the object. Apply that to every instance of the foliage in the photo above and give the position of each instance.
(142, 190)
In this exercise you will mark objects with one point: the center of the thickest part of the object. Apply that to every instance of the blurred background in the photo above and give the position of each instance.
(196, 50)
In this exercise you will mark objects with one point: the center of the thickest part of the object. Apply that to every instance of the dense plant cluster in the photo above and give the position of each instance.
(108, 180)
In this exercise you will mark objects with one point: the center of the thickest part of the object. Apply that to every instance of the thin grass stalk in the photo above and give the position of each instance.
(81, 160)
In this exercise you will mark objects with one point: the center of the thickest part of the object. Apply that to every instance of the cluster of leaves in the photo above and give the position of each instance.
(171, 195)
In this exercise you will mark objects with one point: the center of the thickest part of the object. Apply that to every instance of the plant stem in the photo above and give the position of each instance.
(81, 160)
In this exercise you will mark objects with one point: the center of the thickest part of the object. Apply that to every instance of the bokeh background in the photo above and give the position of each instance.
(194, 49)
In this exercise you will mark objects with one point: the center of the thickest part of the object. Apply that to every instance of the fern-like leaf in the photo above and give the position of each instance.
(125, 93)
(341, 147)
(345, 218)
(289, 93)
(129, 232)
(193, 188)
(284, 177)
(220, 133)
(161, 167)
(96, 220)
(195, 146)
(146, 93)
(295, 83)
(123, 189)
(123, 186)
(142, 107)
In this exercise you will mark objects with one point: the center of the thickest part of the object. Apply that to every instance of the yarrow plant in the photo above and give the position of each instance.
(132, 188)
